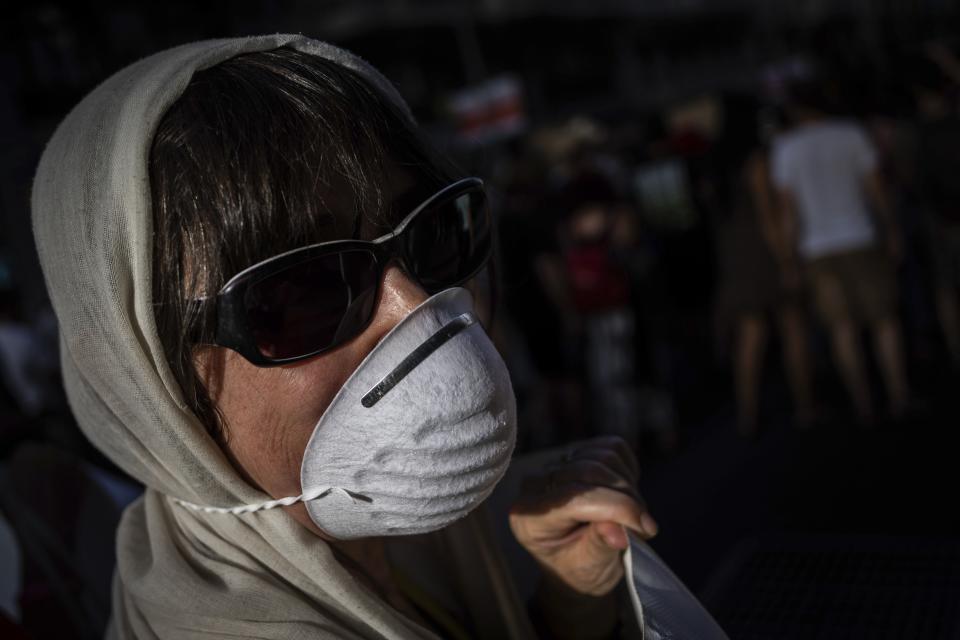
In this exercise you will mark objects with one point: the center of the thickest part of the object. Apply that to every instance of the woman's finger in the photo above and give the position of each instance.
(606, 505)
(601, 504)
(613, 534)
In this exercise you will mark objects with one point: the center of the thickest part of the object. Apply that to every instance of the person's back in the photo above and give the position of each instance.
(830, 191)
(823, 163)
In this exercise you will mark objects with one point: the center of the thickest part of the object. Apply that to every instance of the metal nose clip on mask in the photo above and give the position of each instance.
(417, 437)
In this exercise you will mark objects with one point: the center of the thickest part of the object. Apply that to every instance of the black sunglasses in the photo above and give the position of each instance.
(312, 299)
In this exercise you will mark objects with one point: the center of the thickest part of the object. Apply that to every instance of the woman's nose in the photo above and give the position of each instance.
(399, 295)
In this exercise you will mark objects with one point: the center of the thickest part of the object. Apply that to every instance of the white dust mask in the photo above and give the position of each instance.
(418, 436)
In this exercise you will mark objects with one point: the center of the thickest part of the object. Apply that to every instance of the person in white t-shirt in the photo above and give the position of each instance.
(837, 217)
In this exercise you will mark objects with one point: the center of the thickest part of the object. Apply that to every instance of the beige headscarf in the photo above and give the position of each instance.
(181, 574)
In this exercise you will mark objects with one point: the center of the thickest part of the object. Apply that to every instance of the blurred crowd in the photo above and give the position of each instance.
(790, 254)
(655, 271)
(798, 238)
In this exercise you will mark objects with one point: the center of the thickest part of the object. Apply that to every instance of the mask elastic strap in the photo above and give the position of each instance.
(313, 494)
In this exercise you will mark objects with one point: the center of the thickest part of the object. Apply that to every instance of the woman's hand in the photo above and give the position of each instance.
(571, 518)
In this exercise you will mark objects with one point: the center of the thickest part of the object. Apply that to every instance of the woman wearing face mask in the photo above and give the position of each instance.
(259, 267)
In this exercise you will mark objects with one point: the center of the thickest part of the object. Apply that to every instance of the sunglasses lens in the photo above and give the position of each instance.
(313, 305)
(450, 241)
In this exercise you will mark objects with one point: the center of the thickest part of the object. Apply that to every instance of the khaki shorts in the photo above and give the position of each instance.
(858, 285)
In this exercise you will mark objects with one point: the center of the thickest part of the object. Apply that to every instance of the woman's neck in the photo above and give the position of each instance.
(366, 559)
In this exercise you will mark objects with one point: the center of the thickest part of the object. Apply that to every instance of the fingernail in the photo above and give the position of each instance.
(614, 542)
(649, 524)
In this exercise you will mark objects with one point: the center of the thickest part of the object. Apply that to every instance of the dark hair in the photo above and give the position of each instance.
(261, 154)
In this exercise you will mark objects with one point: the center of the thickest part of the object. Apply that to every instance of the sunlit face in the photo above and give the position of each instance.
(269, 413)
